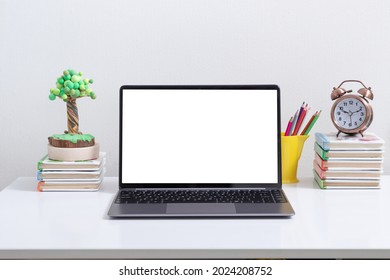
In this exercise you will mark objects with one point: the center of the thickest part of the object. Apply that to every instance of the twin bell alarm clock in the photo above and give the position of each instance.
(351, 112)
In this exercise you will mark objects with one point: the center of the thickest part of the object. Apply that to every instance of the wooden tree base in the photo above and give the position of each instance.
(67, 144)
(73, 154)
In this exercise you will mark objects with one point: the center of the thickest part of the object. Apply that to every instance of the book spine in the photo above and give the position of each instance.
(320, 172)
(323, 154)
(316, 164)
(319, 161)
(40, 163)
(322, 141)
(40, 185)
(319, 182)
(39, 177)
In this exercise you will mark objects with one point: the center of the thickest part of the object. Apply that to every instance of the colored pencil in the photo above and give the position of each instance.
(294, 122)
(288, 127)
(312, 123)
(304, 118)
(301, 109)
(308, 123)
(300, 120)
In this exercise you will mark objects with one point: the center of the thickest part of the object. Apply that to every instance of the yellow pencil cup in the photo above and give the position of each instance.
(291, 152)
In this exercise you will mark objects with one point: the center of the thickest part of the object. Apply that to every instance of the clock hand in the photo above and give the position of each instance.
(357, 111)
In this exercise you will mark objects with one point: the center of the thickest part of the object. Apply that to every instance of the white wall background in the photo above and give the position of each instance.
(304, 46)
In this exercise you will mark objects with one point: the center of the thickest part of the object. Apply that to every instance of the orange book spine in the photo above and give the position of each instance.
(322, 163)
(39, 186)
(320, 172)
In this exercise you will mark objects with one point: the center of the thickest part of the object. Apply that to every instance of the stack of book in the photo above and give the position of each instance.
(348, 161)
(55, 175)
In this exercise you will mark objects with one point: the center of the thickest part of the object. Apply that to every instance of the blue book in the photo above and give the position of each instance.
(329, 141)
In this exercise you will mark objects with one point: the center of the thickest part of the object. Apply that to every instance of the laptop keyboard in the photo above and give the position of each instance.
(200, 196)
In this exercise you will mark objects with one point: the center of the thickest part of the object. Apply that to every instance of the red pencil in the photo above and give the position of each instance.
(288, 126)
(300, 120)
(301, 109)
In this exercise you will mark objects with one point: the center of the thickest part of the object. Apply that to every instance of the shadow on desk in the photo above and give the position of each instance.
(305, 183)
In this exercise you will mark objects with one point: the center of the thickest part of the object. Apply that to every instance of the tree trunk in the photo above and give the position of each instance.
(73, 116)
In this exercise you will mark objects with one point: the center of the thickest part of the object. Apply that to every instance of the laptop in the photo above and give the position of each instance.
(200, 151)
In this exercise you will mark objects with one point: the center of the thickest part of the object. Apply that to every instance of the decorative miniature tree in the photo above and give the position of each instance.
(70, 87)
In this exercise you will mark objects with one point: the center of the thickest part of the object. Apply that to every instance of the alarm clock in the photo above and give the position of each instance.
(351, 112)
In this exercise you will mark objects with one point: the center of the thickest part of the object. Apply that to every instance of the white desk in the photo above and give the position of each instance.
(327, 224)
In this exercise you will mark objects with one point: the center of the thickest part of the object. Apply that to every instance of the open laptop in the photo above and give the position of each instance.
(200, 151)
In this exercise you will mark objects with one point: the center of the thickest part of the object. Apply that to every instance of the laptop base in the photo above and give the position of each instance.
(201, 210)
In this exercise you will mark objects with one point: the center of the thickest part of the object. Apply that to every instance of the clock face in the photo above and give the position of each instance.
(349, 113)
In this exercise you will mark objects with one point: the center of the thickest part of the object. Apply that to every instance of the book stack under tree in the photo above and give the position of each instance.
(81, 175)
(348, 161)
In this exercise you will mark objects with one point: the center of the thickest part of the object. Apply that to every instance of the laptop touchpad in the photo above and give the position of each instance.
(201, 208)
(153, 208)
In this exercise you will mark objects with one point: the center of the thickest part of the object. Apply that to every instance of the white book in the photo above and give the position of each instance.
(369, 141)
(69, 186)
(46, 164)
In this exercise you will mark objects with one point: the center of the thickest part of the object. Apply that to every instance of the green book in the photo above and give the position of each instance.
(345, 183)
(349, 154)
(46, 164)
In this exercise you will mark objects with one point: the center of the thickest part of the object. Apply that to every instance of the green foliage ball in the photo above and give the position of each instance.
(71, 85)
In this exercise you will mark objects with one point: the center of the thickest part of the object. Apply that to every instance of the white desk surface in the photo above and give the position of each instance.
(327, 224)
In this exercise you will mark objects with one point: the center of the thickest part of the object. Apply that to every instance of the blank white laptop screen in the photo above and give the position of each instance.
(199, 136)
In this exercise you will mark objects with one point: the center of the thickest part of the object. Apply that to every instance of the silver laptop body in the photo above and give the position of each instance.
(197, 139)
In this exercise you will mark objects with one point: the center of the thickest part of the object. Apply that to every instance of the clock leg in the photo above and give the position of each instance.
(337, 135)
(361, 133)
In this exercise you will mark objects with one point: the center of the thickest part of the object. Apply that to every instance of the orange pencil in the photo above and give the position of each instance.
(313, 122)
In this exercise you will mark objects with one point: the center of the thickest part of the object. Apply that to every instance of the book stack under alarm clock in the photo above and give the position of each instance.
(56, 175)
(348, 161)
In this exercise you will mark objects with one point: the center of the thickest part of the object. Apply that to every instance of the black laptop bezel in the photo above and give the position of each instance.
(123, 185)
